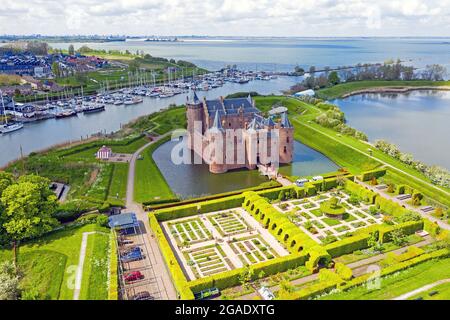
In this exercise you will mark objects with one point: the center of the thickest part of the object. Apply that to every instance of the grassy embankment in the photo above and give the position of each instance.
(149, 184)
(49, 264)
(343, 89)
(349, 152)
(90, 180)
(403, 282)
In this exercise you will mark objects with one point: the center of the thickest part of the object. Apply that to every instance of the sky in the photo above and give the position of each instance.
(316, 18)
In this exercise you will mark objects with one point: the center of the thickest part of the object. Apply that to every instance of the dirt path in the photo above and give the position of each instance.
(422, 289)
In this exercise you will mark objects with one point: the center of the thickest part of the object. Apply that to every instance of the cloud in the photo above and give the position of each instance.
(227, 17)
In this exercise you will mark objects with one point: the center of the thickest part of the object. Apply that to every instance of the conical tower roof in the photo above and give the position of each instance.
(217, 125)
(193, 98)
(285, 123)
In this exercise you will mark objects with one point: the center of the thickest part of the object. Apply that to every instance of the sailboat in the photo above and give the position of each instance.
(9, 127)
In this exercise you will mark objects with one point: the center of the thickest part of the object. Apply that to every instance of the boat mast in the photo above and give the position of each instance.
(3, 106)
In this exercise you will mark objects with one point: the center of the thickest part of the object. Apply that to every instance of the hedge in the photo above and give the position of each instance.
(231, 278)
(178, 278)
(368, 175)
(407, 228)
(348, 245)
(360, 191)
(343, 271)
(196, 208)
(389, 207)
(310, 291)
(315, 255)
(113, 265)
(328, 184)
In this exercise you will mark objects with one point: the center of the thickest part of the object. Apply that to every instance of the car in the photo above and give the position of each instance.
(317, 178)
(301, 182)
(133, 276)
(266, 293)
(130, 250)
(132, 256)
(143, 295)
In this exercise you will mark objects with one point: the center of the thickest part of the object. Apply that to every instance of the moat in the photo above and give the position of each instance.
(196, 180)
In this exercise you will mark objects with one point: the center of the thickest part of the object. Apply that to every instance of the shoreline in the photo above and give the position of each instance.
(394, 89)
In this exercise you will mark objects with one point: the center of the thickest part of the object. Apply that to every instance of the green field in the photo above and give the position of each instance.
(49, 264)
(403, 282)
(149, 183)
(443, 293)
(346, 88)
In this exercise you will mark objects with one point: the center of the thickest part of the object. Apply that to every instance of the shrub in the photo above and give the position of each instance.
(343, 271)
(369, 175)
(102, 220)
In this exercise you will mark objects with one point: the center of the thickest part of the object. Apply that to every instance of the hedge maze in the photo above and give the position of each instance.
(206, 261)
(206, 244)
(252, 250)
(189, 231)
(228, 223)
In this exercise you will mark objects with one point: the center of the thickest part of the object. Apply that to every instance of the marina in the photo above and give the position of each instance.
(65, 120)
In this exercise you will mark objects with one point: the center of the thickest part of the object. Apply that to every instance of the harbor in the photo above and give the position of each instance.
(63, 125)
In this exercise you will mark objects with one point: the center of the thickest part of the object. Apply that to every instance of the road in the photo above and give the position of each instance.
(157, 260)
(422, 289)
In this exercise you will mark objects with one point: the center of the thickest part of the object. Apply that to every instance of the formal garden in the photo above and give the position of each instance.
(189, 231)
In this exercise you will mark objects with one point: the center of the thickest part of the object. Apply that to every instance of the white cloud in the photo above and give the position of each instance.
(227, 17)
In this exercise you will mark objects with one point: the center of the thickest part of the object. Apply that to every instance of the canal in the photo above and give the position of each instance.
(44, 134)
(189, 181)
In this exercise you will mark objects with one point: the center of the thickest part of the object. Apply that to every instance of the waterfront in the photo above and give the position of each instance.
(283, 54)
(40, 135)
(416, 121)
(196, 180)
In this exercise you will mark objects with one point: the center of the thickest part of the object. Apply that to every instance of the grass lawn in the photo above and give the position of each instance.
(149, 183)
(443, 293)
(331, 221)
(118, 187)
(345, 88)
(95, 272)
(49, 264)
(403, 282)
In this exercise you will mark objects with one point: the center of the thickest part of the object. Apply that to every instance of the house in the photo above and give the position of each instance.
(104, 153)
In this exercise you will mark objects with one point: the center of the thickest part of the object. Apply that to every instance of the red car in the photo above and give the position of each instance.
(133, 276)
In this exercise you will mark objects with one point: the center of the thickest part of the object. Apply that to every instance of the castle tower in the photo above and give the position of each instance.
(216, 137)
(286, 142)
(194, 113)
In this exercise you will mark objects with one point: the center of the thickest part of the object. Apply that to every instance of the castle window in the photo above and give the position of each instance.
(285, 150)
(229, 124)
(287, 139)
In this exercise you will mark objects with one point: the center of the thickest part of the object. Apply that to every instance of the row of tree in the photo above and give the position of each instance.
(438, 175)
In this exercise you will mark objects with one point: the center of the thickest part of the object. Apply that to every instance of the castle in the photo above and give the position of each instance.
(210, 120)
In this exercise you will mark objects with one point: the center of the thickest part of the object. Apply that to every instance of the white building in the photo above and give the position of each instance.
(104, 153)
(305, 93)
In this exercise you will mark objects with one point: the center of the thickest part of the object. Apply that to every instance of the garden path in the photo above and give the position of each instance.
(422, 289)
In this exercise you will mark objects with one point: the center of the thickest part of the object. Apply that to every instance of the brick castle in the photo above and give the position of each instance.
(211, 119)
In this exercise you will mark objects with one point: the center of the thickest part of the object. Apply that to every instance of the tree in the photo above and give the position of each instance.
(9, 282)
(56, 70)
(71, 50)
(333, 78)
(28, 210)
(398, 237)
(134, 65)
(245, 276)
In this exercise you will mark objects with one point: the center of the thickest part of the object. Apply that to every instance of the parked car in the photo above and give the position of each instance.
(301, 182)
(131, 249)
(266, 293)
(132, 256)
(133, 276)
(317, 178)
(144, 295)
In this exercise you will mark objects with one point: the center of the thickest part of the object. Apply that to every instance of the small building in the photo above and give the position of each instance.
(126, 223)
(305, 93)
(104, 153)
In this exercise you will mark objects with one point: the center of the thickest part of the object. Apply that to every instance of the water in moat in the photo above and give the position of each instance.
(196, 180)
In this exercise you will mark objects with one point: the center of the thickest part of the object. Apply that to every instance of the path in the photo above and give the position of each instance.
(441, 223)
(359, 268)
(79, 272)
(157, 261)
(375, 158)
(422, 289)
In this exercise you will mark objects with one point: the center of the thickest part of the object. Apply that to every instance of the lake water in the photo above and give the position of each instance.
(40, 135)
(418, 121)
(196, 180)
(283, 54)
